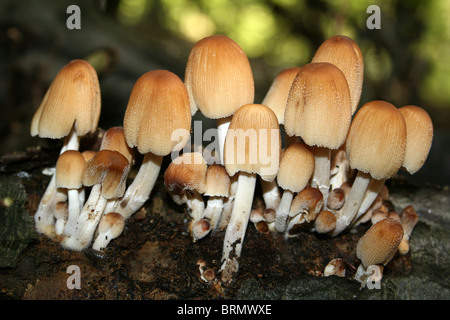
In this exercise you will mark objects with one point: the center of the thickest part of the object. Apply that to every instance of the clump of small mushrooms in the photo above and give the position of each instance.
(321, 160)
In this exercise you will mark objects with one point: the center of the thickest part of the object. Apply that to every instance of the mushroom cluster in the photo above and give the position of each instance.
(321, 161)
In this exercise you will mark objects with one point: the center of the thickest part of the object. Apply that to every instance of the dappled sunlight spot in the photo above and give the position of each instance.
(195, 25)
(132, 12)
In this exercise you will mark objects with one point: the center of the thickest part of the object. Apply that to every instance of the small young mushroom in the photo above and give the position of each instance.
(409, 219)
(335, 267)
(185, 181)
(318, 110)
(378, 245)
(375, 147)
(294, 174)
(217, 188)
(157, 110)
(336, 199)
(325, 222)
(219, 80)
(111, 226)
(253, 136)
(69, 175)
(70, 109)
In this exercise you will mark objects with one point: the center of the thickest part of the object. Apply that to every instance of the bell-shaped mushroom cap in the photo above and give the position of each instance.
(379, 244)
(218, 77)
(186, 172)
(110, 169)
(69, 170)
(157, 110)
(72, 101)
(114, 139)
(419, 136)
(253, 142)
(112, 223)
(218, 181)
(296, 167)
(345, 54)
(318, 108)
(276, 96)
(377, 139)
(308, 201)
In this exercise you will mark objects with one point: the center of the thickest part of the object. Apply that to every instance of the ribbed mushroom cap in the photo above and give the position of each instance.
(318, 108)
(186, 172)
(253, 142)
(69, 170)
(218, 77)
(325, 222)
(113, 223)
(296, 167)
(217, 181)
(419, 136)
(377, 139)
(379, 244)
(110, 169)
(345, 54)
(158, 106)
(72, 101)
(276, 96)
(114, 139)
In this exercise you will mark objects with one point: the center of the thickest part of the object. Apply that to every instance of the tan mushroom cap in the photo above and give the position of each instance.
(69, 170)
(253, 142)
(419, 136)
(377, 139)
(218, 181)
(276, 96)
(318, 108)
(114, 139)
(186, 172)
(296, 167)
(308, 201)
(72, 101)
(110, 169)
(218, 77)
(157, 109)
(379, 244)
(113, 222)
(325, 222)
(345, 54)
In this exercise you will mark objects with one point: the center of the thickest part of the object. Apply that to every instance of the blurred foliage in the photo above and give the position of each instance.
(406, 61)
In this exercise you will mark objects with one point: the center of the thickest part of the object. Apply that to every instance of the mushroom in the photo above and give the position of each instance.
(336, 199)
(253, 136)
(375, 146)
(185, 181)
(318, 110)
(69, 175)
(409, 219)
(378, 245)
(219, 80)
(157, 114)
(69, 109)
(295, 171)
(345, 54)
(325, 222)
(106, 172)
(217, 188)
(110, 227)
(305, 207)
(335, 267)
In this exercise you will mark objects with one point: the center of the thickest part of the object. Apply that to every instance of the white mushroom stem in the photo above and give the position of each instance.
(237, 226)
(88, 228)
(139, 191)
(75, 207)
(213, 210)
(271, 194)
(44, 217)
(352, 202)
(222, 128)
(195, 204)
(371, 194)
(282, 211)
(228, 204)
(61, 214)
(321, 175)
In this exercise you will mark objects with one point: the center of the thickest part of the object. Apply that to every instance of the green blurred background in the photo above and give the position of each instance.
(407, 61)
